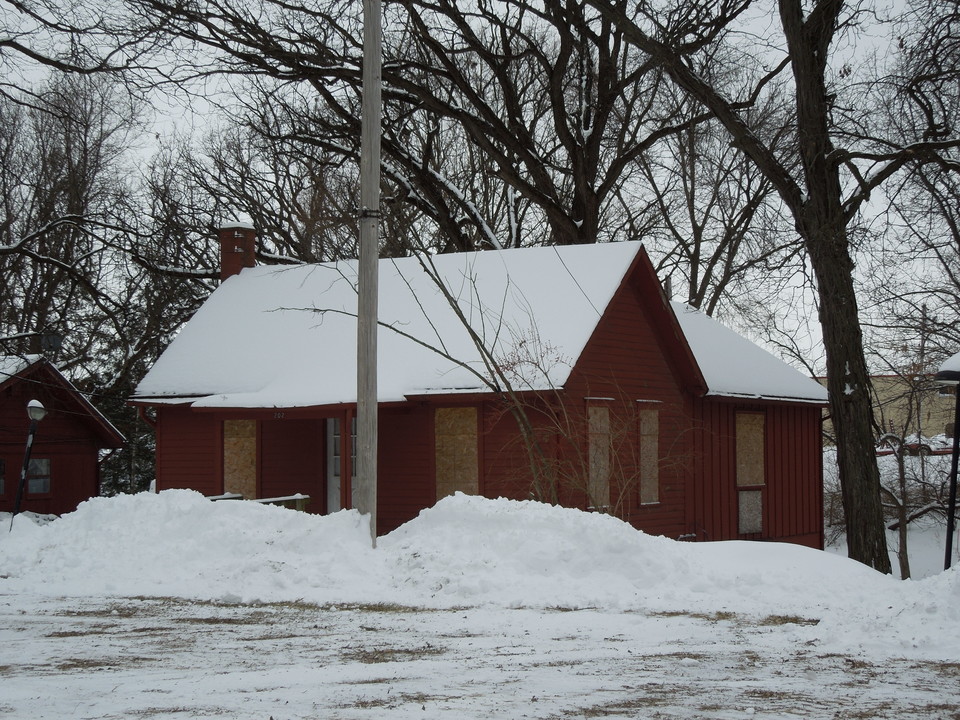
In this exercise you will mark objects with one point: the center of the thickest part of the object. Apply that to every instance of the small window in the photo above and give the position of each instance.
(947, 390)
(750, 449)
(3, 487)
(38, 477)
(333, 442)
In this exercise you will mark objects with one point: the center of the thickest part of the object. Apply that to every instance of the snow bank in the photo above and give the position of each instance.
(465, 551)
(473, 550)
(179, 543)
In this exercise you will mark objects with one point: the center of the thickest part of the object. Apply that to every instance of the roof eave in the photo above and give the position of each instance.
(716, 395)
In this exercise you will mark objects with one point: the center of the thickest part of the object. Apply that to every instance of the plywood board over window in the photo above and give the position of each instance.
(751, 477)
(457, 451)
(750, 509)
(598, 426)
(649, 426)
(240, 457)
(750, 449)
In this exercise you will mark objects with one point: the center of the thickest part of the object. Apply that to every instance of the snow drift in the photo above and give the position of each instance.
(465, 551)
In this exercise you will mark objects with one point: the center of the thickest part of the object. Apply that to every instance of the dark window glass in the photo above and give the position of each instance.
(38, 477)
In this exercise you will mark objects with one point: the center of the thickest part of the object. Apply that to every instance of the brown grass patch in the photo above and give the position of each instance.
(390, 654)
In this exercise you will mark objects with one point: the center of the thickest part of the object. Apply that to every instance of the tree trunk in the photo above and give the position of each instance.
(848, 383)
(903, 517)
(822, 222)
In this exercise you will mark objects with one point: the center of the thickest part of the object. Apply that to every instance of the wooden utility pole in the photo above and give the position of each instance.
(366, 494)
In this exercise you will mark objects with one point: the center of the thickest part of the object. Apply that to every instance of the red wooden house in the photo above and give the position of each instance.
(64, 469)
(560, 373)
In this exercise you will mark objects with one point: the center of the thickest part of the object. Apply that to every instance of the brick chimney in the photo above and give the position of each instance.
(237, 242)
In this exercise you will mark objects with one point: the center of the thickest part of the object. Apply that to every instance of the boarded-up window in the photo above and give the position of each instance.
(750, 511)
(457, 452)
(649, 456)
(750, 453)
(240, 457)
(598, 422)
(750, 471)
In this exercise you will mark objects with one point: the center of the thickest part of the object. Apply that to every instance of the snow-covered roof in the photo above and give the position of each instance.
(11, 365)
(950, 370)
(285, 336)
(733, 366)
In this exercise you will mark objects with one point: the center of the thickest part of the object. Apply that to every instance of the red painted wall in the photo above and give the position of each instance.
(189, 450)
(291, 460)
(793, 493)
(405, 475)
(625, 360)
(504, 458)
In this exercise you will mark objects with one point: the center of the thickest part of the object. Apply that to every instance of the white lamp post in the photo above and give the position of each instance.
(36, 412)
(950, 375)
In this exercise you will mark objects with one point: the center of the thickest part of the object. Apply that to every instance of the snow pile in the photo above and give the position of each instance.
(465, 551)
(468, 550)
(179, 543)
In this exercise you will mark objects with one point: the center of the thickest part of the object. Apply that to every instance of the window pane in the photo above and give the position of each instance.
(38, 477)
(3, 476)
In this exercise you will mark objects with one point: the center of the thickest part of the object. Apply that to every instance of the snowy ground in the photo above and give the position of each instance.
(170, 606)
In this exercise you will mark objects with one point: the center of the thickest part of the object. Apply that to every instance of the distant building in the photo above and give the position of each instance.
(909, 405)
(913, 405)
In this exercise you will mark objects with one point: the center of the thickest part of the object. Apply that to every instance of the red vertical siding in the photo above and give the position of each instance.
(623, 360)
(792, 494)
(405, 475)
(795, 497)
(504, 459)
(189, 450)
(626, 359)
(714, 516)
(290, 460)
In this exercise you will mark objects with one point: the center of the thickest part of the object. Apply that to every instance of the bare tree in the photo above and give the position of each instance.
(67, 214)
(493, 115)
(823, 181)
(64, 198)
(916, 280)
(717, 223)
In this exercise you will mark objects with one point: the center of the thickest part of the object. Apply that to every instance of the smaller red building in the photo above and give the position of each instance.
(65, 461)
